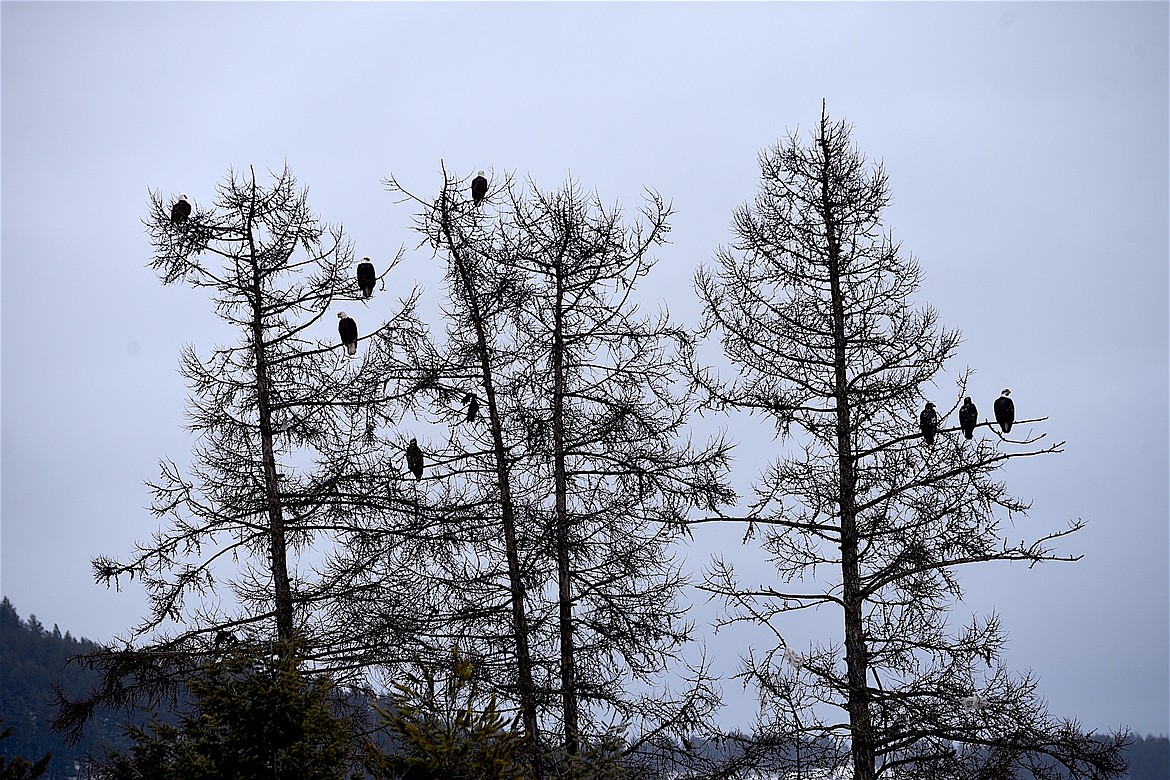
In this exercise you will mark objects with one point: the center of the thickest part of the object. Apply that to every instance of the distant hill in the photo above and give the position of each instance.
(1149, 758)
(32, 658)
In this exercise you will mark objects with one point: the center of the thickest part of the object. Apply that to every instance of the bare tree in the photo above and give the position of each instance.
(288, 448)
(812, 306)
(581, 432)
(469, 384)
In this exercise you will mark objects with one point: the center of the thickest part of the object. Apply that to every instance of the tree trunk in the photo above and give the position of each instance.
(564, 589)
(527, 690)
(861, 742)
(282, 591)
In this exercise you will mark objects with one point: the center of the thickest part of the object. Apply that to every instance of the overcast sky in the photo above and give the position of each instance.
(1026, 147)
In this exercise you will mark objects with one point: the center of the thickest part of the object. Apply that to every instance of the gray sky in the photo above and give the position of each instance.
(1026, 146)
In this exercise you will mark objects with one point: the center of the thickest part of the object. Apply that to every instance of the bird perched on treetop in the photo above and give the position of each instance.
(928, 422)
(1005, 411)
(347, 328)
(414, 459)
(181, 209)
(365, 277)
(968, 417)
(479, 188)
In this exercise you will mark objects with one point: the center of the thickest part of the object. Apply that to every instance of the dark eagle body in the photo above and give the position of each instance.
(347, 328)
(1005, 411)
(414, 459)
(181, 210)
(968, 418)
(472, 404)
(928, 422)
(365, 277)
(479, 188)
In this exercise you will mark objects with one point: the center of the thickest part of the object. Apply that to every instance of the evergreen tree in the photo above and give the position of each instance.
(255, 715)
(34, 668)
(812, 304)
(16, 767)
(438, 731)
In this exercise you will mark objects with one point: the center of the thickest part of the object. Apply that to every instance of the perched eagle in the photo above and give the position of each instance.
(472, 404)
(365, 277)
(181, 210)
(968, 417)
(414, 459)
(928, 422)
(348, 330)
(479, 188)
(1005, 411)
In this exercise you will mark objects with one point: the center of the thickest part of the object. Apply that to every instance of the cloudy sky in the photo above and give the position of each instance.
(1026, 146)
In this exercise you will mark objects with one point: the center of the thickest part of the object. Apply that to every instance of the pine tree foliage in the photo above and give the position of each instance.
(439, 732)
(813, 306)
(17, 767)
(255, 714)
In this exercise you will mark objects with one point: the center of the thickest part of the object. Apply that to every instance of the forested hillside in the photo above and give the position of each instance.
(33, 659)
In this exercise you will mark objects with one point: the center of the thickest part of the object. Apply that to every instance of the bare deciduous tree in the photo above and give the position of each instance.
(580, 445)
(812, 306)
(287, 450)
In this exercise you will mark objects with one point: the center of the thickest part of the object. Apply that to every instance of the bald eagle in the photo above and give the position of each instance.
(928, 422)
(348, 330)
(414, 459)
(1005, 411)
(181, 210)
(968, 417)
(365, 277)
(472, 404)
(479, 188)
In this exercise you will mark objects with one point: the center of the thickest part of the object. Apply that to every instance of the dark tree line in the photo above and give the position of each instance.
(552, 478)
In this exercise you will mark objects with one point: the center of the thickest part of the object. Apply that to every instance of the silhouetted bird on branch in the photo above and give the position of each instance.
(968, 417)
(181, 210)
(472, 404)
(928, 422)
(365, 277)
(414, 459)
(347, 329)
(1005, 411)
(479, 188)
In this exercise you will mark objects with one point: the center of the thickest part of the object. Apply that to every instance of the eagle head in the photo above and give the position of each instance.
(1006, 392)
(341, 315)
